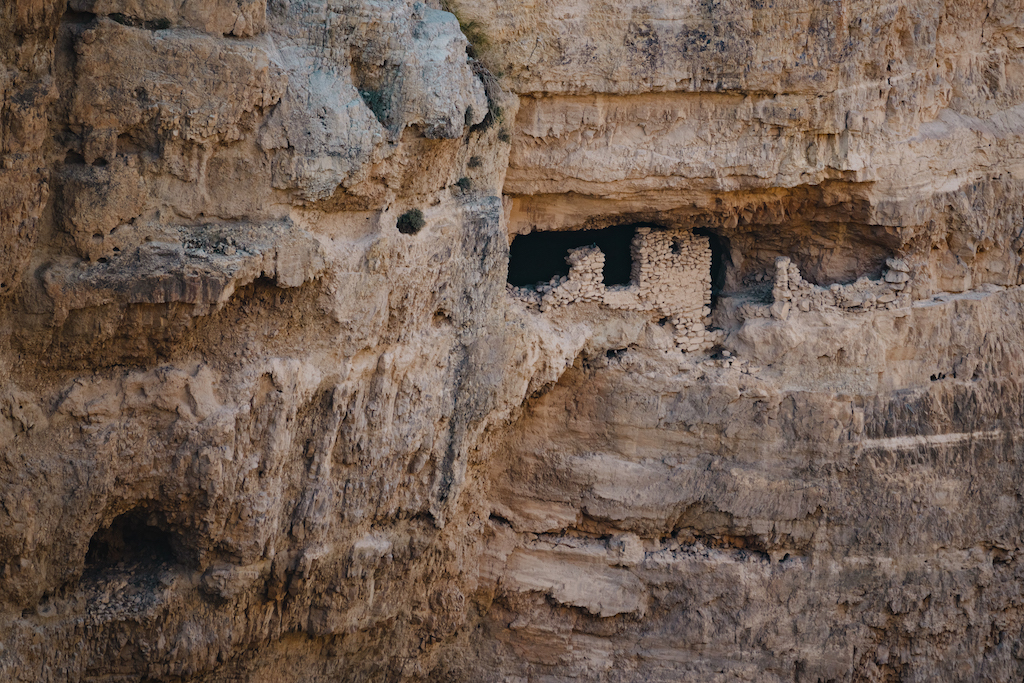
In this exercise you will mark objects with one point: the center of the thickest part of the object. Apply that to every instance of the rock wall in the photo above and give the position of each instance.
(269, 410)
(670, 275)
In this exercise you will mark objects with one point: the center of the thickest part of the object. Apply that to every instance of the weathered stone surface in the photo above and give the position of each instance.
(27, 90)
(740, 483)
(242, 18)
(269, 410)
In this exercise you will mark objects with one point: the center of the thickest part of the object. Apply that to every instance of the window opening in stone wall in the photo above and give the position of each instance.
(540, 256)
(720, 261)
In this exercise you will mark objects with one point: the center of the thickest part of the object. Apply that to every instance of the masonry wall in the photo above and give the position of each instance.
(671, 276)
(791, 292)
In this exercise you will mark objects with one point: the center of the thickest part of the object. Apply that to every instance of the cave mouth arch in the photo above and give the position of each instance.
(537, 257)
(139, 536)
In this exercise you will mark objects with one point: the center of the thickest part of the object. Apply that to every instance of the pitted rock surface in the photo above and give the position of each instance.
(272, 409)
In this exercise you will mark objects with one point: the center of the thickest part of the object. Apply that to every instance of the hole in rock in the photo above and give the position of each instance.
(73, 157)
(540, 256)
(379, 102)
(135, 22)
(157, 24)
(73, 17)
(499, 520)
(136, 537)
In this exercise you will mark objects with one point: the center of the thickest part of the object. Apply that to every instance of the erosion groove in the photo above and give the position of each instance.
(455, 341)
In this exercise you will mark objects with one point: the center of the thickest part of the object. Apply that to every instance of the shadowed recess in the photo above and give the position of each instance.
(720, 261)
(540, 256)
(135, 536)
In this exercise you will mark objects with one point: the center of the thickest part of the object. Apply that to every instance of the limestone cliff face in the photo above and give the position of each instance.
(271, 410)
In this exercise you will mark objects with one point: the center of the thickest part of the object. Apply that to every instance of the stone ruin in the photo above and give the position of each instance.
(671, 276)
(790, 291)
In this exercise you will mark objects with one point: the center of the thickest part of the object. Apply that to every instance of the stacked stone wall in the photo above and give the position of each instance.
(671, 276)
(791, 292)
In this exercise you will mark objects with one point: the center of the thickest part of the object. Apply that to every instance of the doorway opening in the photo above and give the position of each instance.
(720, 261)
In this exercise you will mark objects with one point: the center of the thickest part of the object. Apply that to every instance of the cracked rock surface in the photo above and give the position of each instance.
(270, 408)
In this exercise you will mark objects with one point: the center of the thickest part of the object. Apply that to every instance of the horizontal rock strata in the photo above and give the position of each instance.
(274, 405)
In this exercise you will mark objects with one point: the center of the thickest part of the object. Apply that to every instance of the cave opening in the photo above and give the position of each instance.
(720, 261)
(138, 536)
(539, 256)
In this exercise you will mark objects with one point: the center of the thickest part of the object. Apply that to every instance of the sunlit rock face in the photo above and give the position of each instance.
(275, 405)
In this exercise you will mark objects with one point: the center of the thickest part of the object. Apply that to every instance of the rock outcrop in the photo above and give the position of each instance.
(273, 408)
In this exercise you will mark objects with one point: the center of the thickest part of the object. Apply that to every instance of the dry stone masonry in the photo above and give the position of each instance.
(791, 291)
(671, 276)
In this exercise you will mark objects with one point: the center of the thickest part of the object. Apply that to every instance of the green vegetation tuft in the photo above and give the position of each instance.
(411, 222)
(493, 114)
(473, 30)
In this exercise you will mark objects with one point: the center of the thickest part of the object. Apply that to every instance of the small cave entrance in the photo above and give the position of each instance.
(720, 261)
(138, 537)
(540, 256)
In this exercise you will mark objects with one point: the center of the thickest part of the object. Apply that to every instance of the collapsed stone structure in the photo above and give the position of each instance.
(670, 276)
(790, 292)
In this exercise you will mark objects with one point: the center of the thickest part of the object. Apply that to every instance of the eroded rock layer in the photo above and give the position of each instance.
(275, 406)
